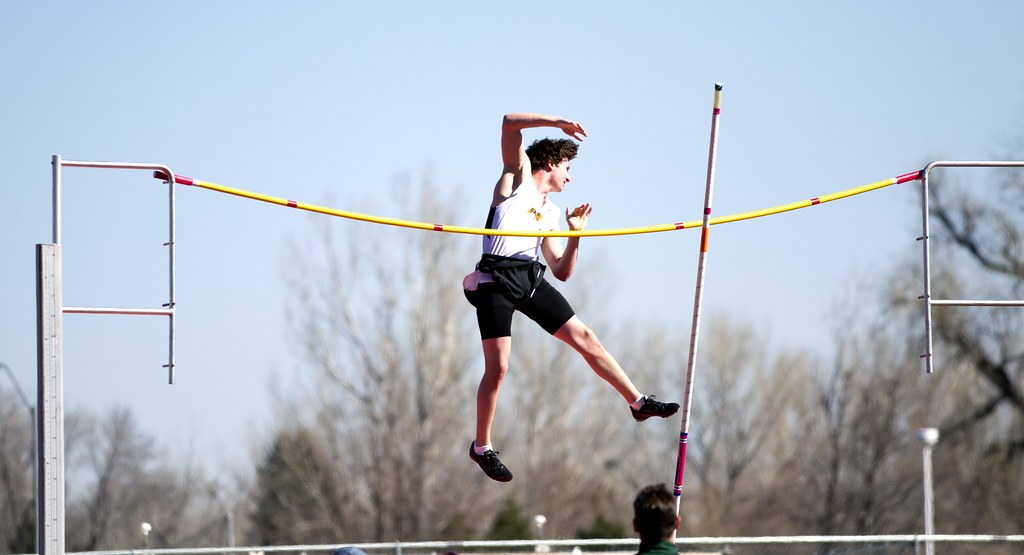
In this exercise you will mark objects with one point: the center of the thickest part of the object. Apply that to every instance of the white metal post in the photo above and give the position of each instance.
(929, 437)
(929, 503)
(50, 398)
(56, 198)
(926, 254)
(170, 278)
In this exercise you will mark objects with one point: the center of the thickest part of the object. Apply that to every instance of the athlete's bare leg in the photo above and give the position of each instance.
(581, 338)
(496, 353)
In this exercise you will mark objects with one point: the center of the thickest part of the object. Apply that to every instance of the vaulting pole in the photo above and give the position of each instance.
(698, 296)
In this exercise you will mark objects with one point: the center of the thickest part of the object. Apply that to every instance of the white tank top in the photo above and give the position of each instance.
(524, 210)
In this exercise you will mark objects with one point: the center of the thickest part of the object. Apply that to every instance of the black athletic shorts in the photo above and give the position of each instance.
(494, 310)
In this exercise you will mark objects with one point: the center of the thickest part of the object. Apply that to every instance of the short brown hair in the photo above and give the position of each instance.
(553, 151)
(654, 513)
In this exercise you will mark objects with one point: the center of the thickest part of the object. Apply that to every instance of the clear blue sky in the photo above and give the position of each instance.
(328, 102)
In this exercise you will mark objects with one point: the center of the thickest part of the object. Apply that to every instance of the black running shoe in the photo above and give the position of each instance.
(653, 408)
(490, 464)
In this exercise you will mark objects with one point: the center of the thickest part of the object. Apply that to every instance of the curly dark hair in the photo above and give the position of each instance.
(654, 513)
(551, 151)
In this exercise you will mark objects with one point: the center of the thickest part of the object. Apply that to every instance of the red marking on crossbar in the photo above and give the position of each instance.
(293, 204)
(680, 225)
(815, 200)
(162, 176)
(912, 176)
(438, 227)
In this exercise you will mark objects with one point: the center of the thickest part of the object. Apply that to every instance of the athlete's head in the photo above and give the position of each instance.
(550, 151)
(654, 513)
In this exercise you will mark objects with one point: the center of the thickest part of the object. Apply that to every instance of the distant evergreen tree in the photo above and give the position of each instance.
(296, 496)
(602, 528)
(510, 524)
(23, 539)
(457, 527)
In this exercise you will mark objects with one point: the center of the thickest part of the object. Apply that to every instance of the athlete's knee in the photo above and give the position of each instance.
(495, 370)
(591, 343)
(583, 338)
(496, 355)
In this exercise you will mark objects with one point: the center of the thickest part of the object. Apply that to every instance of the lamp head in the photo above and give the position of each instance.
(928, 436)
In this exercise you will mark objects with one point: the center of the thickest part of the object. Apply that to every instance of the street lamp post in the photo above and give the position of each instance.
(929, 437)
(229, 515)
(146, 529)
(229, 524)
(539, 520)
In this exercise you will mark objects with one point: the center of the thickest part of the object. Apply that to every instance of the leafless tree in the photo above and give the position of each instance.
(741, 395)
(117, 479)
(17, 465)
(979, 254)
(856, 464)
(385, 328)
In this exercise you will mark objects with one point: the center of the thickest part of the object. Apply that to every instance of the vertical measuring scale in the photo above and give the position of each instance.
(50, 396)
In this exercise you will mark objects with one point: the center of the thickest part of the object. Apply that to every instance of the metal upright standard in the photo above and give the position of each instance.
(50, 397)
(929, 302)
(691, 362)
(50, 386)
(168, 308)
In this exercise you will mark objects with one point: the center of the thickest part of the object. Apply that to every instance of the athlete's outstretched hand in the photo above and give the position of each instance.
(572, 129)
(577, 219)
